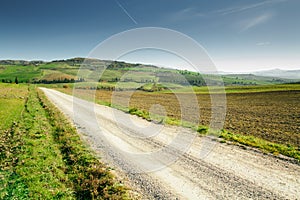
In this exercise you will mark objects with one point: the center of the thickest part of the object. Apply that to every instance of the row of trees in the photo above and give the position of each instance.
(44, 81)
(10, 81)
(65, 80)
(101, 87)
(197, 81)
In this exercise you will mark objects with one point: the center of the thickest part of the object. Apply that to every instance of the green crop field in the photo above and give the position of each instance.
(24, 73)
(235, 89)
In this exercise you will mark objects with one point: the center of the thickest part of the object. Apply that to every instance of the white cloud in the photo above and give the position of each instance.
(248, 24)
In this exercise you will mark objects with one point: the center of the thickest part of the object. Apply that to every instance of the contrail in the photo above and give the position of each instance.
(126, 12)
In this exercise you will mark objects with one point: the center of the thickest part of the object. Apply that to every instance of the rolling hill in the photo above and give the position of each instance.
(65, 71)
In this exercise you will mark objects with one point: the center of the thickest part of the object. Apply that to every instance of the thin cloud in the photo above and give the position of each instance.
(246, 25)
(185, 14)
(242, 8)
(263, 43)
(125, 11)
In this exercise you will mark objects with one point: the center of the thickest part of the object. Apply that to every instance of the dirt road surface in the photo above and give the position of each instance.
(166, 162)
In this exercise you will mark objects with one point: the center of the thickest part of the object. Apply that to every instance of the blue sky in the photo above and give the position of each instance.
(239, 35)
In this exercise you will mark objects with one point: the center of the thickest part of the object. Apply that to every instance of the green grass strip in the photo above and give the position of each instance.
(266, 146)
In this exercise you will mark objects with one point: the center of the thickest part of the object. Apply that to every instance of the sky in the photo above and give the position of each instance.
(238, 35)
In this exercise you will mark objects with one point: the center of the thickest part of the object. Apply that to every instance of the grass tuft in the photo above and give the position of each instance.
(262, 144)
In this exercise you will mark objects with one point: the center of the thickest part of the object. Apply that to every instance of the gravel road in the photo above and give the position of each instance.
(166, 162)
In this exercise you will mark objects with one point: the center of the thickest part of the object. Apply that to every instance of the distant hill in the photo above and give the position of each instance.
(248, 79)
(65, 71)
(289, 74)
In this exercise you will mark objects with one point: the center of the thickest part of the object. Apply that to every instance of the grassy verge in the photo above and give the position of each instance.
(40, 164)
(89, 176)
(265, 146)
(42, 157)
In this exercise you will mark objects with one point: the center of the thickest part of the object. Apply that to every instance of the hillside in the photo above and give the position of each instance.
(66, 71)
